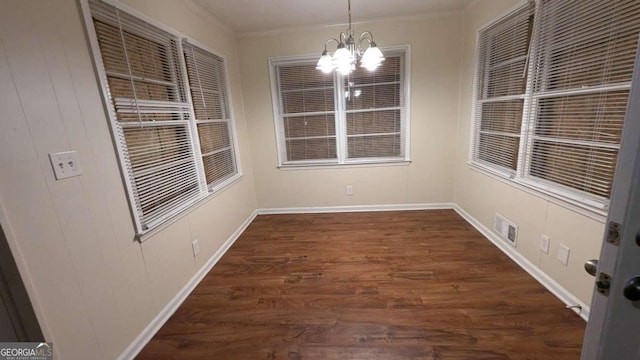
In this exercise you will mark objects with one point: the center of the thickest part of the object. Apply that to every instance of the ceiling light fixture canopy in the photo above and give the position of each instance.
(347, 54)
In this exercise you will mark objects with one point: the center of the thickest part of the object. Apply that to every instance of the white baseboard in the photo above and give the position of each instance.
(355, 208)
(145, 336)
(553, 286)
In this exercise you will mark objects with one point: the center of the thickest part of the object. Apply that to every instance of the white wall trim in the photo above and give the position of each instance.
(355, 208)
(553, 286)
(145, 336)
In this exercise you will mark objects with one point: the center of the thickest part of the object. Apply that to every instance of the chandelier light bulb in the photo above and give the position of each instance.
(325, 64)
(342, 56)
(342, 60)
(372, 57)
(372, 54)
(370, 66)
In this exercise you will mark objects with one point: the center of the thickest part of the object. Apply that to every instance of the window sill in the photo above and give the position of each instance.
(219, 189)
(530, 187)
(324, 166)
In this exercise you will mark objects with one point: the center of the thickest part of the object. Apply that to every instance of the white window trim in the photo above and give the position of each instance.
(556, 193)
(215, 189)
(340, 118)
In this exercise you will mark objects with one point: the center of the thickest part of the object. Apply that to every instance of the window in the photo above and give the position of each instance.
(211, 108)
(556, 125)
(307, 112)
(501, 84)
(333, 119)
(172, 127)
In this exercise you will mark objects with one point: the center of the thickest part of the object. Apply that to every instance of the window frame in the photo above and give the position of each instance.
(207, 191)
(477, 103)
(230, 119)
(277, 105)
(340, 112)
(583, 202)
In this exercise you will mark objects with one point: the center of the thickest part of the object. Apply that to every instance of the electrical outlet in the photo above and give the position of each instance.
(563, 254)
(544, 243)
(65, 164)
(349, 190)
(196, 247)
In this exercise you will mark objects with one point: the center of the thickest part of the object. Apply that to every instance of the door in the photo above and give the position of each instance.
(17, 320)
(7, 329)
(613, 330)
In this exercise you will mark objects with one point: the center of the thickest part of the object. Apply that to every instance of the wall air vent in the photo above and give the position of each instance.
(506, 229)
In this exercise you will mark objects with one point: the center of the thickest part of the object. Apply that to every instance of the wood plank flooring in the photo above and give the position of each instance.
(379, 285)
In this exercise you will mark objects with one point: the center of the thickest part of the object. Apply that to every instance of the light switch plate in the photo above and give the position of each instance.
(563, 254)
(65, 164)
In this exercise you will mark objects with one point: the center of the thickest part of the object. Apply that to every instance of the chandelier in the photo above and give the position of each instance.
(346, 57)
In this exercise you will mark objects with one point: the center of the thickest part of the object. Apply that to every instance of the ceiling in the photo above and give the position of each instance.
(248, 16)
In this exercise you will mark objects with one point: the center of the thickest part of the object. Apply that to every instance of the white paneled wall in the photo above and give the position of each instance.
(93, 286)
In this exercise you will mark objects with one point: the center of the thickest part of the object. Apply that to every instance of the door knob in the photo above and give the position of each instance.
(591, 267)
(632, 289)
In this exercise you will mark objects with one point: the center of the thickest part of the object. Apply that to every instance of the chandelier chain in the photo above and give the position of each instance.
(349, 10)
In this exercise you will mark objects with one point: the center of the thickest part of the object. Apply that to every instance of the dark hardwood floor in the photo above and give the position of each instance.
(379, 285)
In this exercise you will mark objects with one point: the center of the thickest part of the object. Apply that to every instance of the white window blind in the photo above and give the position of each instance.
(209, 91)
(501, 90)
(307, 112)
(374, 103)
(334, 119)
(556, 125)
(583, 63)
(152, 117)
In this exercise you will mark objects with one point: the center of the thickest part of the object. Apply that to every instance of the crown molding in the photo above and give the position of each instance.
(308, 28)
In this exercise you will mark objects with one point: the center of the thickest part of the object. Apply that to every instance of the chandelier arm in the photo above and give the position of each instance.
(330, 40)
(361, 40)
(363, 37)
